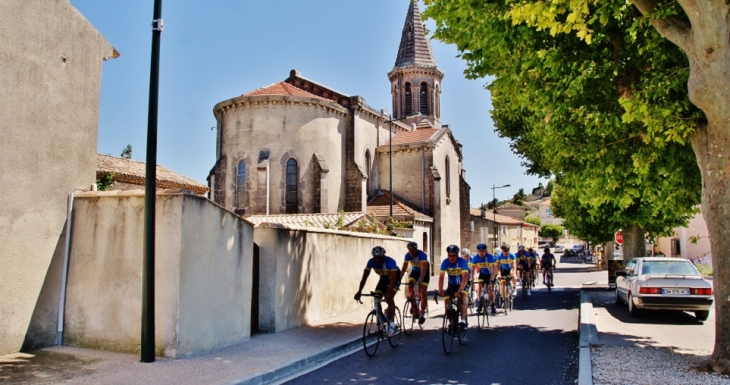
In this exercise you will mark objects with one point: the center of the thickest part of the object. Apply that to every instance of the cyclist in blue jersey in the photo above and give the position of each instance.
(547, 261)
(418, 261)
(506, 262)
(523, 265)
(388, 283)
(532, 259)
(484, 265)
(458, 271)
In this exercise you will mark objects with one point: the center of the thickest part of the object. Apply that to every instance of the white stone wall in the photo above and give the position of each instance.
(447, 214)
(203, 260)
(50, 75)
(311, 275)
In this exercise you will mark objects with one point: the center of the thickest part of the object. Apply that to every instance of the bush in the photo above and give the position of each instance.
(704, 269)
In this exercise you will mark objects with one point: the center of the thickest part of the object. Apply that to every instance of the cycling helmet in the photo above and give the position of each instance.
(505, 247)
(520, 248)
(452, 249)
(481, 246)
(412, 245)
(547, 249)
(465, 252)
(378, 251)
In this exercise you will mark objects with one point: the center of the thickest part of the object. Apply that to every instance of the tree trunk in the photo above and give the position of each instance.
(711, 147)
(634, 243)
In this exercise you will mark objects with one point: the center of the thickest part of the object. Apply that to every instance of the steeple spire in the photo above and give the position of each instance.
(414, 45)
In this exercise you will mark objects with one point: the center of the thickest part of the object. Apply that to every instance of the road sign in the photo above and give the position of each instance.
(619, 237)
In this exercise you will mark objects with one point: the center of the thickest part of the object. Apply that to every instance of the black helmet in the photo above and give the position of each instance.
(505, 247)
(378, 251)
(481, 246)
(412, 245)
(452, 249)
(520, 248)
(547, 249)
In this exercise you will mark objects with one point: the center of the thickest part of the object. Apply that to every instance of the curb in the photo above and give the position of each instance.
(301, 366)
(588, 336)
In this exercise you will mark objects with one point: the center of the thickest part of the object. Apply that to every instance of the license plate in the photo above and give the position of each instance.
(675, 291)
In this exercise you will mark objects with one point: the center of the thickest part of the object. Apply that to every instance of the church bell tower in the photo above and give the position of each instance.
(415, 81)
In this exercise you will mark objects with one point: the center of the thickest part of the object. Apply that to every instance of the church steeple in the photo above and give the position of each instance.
(415, 78)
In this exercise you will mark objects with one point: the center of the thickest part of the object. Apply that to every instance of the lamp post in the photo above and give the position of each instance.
(390, 153)
(494, 211)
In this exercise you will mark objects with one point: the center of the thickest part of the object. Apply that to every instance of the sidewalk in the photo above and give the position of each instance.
(264, 359)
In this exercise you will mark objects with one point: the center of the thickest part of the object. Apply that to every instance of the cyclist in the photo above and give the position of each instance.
(418, 261)
(532, 258)
(506, 262)
(547, 261)
(458, 271)
(523, 265)
(484, 263)
(388, 284)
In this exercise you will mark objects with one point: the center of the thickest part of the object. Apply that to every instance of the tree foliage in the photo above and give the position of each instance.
(519, 197)
(127, 152)
(551, 231)
(534, 219)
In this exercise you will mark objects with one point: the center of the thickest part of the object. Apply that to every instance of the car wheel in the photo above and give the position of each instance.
(618, 301)
(633, 310)
(702, 314)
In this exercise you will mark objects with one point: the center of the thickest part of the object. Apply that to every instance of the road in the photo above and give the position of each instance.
(537, 343)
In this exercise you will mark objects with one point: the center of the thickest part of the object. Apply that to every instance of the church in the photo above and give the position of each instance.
(300, 147)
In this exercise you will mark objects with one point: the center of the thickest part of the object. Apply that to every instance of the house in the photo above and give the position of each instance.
(513, 210)
(509, 230)
(51, 79)
(128, 174)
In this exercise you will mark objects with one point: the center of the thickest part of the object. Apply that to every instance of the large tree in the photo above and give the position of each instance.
(613, 99)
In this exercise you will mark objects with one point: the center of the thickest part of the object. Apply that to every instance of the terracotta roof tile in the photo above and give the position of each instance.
(412, 137)
(319, 221)
(511, 206)
(282, 88)
(133, 172)
(380, 206)
(501, 219)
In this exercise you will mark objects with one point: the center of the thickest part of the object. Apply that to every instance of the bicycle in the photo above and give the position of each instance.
(525, 285)
(496, 289)
(376, 326)
(509, 295)
(484, 304)
(549, 279)
(471, 303)
(450, 329)
(411, 308)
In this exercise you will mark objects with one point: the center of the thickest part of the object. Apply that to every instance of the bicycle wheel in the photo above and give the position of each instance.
(505, 300)
(550, 281)
(394, 339)
(511, 298)
(524, 288)
(371, 334)
(470, 304)
(408, 318)
(447, 333)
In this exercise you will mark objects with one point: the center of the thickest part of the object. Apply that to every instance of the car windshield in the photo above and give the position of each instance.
(668, 267)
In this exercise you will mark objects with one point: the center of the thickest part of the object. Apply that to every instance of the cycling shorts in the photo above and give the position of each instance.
(416, 275)
(485, 277)
(505, 272)
(454, 288)
(522, 264)
(382, 286)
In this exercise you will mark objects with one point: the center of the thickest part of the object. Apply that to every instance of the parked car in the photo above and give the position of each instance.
(543, 244)
(663, 284)
(559, 248)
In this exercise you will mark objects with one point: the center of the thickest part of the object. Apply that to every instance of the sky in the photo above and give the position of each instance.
(215, 50)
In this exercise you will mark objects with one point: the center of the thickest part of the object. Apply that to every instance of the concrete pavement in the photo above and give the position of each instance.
(265, 358)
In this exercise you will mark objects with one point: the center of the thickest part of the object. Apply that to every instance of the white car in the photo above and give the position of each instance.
(663, 284)
(559, 248)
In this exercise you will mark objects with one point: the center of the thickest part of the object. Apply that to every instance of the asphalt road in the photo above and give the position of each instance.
(537, 343)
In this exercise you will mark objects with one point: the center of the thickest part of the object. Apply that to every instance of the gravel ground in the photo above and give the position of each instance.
(627, 365)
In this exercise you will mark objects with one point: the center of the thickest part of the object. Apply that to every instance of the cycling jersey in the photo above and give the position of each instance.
(505, 261)
(383, 269)
(547, 260)
(415, 262)
(453, 271)
(532, 258)
(485, 263)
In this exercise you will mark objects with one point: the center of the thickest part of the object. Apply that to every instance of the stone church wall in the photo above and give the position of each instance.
(277, 128)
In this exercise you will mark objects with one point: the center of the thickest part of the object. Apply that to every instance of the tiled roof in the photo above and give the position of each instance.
(282, 88)
(133, 172)
(319, 221)
(418, 136)
(501, 219)
(380, 206)
(414, 48)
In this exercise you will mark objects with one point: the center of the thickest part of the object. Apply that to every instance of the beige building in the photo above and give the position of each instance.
(298, 146)
(509, 230)
(50, 75)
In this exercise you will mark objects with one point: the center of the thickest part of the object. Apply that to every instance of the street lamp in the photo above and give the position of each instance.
(494, 211)
(390, 152)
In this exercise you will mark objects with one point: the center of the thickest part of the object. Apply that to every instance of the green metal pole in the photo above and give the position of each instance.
(148, 264)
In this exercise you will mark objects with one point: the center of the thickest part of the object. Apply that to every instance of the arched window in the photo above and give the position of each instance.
(409, 100)
(291, 186)
(423, 99)
(241, 185)
(367, 170)
(448, 178)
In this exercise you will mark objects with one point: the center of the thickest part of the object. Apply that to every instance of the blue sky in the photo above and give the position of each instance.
(215, 50)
